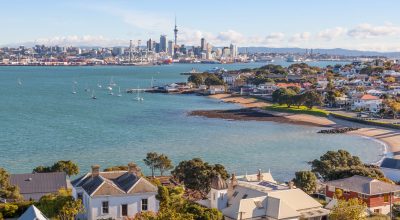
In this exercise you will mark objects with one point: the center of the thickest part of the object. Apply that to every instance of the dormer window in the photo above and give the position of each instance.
(244, 196)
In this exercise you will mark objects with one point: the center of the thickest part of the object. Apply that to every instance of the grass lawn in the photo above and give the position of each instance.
(301, 110)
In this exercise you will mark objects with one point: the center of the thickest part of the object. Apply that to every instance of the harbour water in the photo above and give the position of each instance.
(41, 121)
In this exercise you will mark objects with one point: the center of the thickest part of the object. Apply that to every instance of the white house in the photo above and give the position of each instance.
(216, 89)
(367, 103)
(115, 194)
(259, 196)
(33, 213)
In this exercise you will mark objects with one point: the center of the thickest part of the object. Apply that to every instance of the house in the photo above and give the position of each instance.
(367, 103)
(391, 168)
(33, 186)
(115, 194)
(33, 213)
(259, 196)
(377, 195)
(216, 89)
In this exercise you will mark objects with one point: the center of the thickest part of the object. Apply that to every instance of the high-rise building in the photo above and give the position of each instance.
(163, 43)
(203, 44)
(234, 50)
(171, 48)
(150, 45)
(157, 47)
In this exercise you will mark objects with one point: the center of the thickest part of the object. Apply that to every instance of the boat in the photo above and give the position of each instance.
(86, 88)
(119, 92)
(99, 85)
(93, 95)
(19, 82)
(112, 83)
(73, 89)
(138, 98)
(193, 71)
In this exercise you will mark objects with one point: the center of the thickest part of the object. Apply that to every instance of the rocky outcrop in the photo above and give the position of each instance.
(337, 130)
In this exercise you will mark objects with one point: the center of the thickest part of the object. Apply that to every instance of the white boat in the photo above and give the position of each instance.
(109, 88)
(73, 89)
(93, 95)
(99, 85)
(138, 98)
(112, 83)
(19, 82)
(119, 92)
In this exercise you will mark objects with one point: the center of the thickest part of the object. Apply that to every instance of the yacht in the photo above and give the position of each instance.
(93, 95)
(73, 89)
(119, 92)
(19, 82)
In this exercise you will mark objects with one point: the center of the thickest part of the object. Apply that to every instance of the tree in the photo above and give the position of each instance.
(116, 168)
(312, 98)
(306, 180)
(60, 205)
(196, 174)
(151, 161)
(163, 164)
(353, 209)
(213, 80)
(8, 191)
(394, 106)
(67, 166)
(341, 164)
(196, 78)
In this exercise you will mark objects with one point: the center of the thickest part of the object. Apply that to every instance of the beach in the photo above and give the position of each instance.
(389, 137)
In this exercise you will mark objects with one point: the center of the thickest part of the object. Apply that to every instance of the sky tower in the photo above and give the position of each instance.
(176, 32)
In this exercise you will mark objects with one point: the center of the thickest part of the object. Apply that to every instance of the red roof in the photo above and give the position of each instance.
(369, 97)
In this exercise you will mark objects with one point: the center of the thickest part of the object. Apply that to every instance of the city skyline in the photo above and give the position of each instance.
(309, 24)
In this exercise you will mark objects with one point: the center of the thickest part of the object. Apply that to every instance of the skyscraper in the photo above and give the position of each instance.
(163, 43)
(171, 48)
(234, 50)
(203, 44)
(150, 45)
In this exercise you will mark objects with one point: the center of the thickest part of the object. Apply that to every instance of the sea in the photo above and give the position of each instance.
(42, 121)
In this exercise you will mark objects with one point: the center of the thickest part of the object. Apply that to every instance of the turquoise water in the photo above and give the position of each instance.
(41, 121)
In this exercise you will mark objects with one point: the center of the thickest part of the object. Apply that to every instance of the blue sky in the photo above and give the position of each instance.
(352, 24)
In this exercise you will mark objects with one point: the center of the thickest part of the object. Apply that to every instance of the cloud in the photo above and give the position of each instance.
(331, 33)
(300, 37)
(370, 31)
(86, 40)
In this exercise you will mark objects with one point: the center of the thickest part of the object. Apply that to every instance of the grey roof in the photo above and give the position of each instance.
(30, 183)
(391, 163)
(364, 185)
(33, 213)
(122, 180)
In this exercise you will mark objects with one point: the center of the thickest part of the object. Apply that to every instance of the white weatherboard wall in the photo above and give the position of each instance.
(134, 202)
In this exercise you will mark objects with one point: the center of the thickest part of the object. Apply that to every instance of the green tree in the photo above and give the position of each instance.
(116, 168)
(163, 164)
(213, 80)
(67, 166)
(151, 161)
(353, 209)
(60, 205)
(8, 191)
(341, 164)
(312, 98)
(306, 180)
(196, 174)
(196, 78)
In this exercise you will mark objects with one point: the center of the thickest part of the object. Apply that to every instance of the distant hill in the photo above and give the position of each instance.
(336, 51)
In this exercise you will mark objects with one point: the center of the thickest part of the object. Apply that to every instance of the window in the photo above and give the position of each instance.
(104, 207)
(346, 192)
(144, 204)
(386, 198)
(124, 208)
(244, 196)
(80, 196)
(377, 211)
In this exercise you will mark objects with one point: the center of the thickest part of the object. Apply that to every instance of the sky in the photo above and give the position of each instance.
(350, 24)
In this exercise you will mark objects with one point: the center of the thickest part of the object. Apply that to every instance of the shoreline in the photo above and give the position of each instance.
(388, 138)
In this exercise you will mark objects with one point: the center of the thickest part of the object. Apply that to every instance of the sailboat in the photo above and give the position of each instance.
(119, 92)
(99, 85)
(112, 83)
(73, 89)
(138, 98)
(19, 82)
(93, 95)
(86, 88)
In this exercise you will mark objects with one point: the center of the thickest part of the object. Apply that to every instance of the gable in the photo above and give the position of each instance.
(107, 189)
(142, 186)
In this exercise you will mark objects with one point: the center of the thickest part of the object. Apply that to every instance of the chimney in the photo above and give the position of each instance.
(95, 170)
(259, 176)
(134, 169)
(234, 181)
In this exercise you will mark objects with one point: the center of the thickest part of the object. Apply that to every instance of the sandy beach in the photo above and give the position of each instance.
(390, 137)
